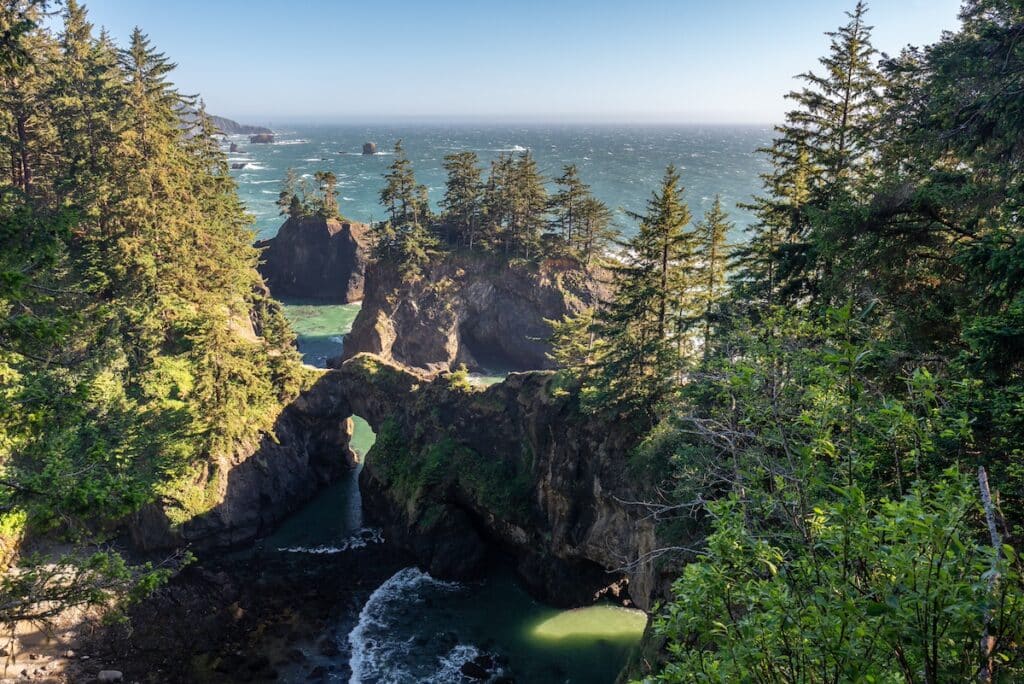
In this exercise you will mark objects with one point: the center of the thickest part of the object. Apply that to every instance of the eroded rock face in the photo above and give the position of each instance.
(262, 482)
(316, 258)
(515, 467)
(470, 309)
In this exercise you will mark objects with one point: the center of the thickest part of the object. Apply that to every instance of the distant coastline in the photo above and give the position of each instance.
(231, 127)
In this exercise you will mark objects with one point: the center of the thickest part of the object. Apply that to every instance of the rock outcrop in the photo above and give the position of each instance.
(370, 148)
(469, 308)
(458, 472)
(262, 138)
(262, 482)
(316, 258)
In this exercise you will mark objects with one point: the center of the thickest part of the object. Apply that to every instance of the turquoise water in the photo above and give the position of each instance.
(417, 629)
(320, 328)
(623, 164)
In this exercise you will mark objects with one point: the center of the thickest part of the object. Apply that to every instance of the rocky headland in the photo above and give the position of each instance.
(231, 127)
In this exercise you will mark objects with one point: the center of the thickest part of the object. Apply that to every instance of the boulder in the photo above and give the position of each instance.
(474, 671)
(262, 138)
(108, 676)
(370, 148)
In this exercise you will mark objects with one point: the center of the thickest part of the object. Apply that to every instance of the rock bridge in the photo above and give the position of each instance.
(458, 475)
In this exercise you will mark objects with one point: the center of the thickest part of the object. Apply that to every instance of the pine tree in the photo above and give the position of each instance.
(566, 205)
(406, 236)
(398, 196)
(642, 328)
(462, 205)
(711, 258)
(287, 197)
(327, 194)
(596, 232)
(822, 153)
(528, 206)
(497, 204)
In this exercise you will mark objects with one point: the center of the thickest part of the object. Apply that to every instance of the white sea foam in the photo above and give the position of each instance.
(451, 664)
(514, 148)
(359, 540)
(255, 166)
(337, 339)
(377, 654)
(261, 182)
(300, 141)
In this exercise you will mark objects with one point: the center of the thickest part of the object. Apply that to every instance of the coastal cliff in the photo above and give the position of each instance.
(237, 498)
(469, 308)
(316, 258)
(459, 472)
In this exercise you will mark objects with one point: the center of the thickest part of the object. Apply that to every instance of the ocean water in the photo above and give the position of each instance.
(415, 628)
(622, 164)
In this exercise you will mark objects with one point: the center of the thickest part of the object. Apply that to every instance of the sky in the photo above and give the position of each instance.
(623, 61)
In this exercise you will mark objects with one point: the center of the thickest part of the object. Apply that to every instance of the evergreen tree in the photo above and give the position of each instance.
(406, 236)
(528, 202)
(823, 152)
(126, 272)
(497, 203)
(327, 194)
(642, 328)
(399, 195)
(567, 204)
(596, 232)
(711, 257)
(462, 205)
(287, 196)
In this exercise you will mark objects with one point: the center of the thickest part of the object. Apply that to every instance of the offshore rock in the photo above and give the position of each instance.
(370, 148)
(470, 308)
(316, 258)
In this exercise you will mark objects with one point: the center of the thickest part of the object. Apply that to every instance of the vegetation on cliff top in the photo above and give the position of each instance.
(509, 214)
(128, 297)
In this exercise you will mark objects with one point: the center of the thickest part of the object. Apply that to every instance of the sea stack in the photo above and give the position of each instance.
(233, 148)
(370, 148)
(262, 138)
(317, 258)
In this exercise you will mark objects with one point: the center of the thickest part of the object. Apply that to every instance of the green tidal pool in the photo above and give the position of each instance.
(320, 328)
(417, 629)
(591, 623)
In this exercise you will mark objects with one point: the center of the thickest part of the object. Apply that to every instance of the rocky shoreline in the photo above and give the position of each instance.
(263, 615)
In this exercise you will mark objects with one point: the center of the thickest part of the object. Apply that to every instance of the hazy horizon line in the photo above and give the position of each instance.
(463, 120)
